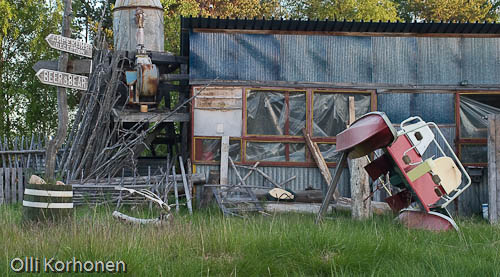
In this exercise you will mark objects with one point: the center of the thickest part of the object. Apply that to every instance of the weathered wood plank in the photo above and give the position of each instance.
(176, 193)
(13, 188)
(20, 184)
(320, 161)
(224, 160)
(492, 171)
(7, 185)
(186, 186)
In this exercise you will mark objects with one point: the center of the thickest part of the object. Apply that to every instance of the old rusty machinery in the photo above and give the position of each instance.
(138, 28)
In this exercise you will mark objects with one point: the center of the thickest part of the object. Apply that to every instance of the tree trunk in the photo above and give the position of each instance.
(360, 189)
(62, 103)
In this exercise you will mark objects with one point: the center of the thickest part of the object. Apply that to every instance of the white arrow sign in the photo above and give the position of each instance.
(62, 79)
(69, 45)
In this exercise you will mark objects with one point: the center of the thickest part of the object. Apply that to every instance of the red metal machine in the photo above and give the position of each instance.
(425, 185)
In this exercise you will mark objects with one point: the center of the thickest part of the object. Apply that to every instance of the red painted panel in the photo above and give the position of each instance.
(423, 186)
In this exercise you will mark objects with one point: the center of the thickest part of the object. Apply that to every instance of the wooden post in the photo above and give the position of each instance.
(224, 159)
(493, 167)
(62, 103)
(360, 185)
(332, 187)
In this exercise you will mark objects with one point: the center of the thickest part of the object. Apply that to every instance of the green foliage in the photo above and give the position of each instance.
(174, 9)
(347, 9)
(88, 14)
(449, 10)
(26, 106)
(209, 244)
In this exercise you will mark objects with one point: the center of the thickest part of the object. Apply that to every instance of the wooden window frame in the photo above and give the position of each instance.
(468, 141)
(286, 139)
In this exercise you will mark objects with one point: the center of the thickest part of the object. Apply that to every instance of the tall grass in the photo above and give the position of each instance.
(207, 244)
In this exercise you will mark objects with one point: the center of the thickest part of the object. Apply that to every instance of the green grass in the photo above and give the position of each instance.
(207, 244)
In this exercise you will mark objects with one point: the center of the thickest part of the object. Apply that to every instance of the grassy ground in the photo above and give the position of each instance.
(208, 244)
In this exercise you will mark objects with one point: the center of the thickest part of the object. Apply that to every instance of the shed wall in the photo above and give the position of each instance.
(344, 59)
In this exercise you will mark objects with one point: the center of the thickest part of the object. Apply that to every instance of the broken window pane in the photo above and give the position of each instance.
(297, 102)
(331, 112)
(474, 153)
(297, 152)
(210, 150)
(474, 117)
(328, 152)
(265, 151)
(266, 113)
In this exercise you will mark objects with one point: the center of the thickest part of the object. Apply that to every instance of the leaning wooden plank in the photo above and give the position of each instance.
(224, 155)
(186, 186)
(320, 161)
(332, 187)
(237, 173)
(261, 173)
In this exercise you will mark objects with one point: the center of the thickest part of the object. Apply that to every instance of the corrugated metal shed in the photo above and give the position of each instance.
(435, 107)
(306, 177)
(344, 59)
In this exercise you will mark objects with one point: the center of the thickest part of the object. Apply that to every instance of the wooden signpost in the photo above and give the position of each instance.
(62, 79)
(69, 45)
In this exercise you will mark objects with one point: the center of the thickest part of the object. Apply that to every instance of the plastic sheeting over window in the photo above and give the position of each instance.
(331, 112)
(328, 152)
(265, 151)
(275, 151)
(297, 152)
(269, 112)
(473, 117)
(209, 150)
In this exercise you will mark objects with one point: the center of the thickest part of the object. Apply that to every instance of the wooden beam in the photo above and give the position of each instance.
(224, 160)
(187, 191)
(320, 161)
(136, 116)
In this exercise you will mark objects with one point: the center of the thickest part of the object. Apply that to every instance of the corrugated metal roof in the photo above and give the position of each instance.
(340, 26)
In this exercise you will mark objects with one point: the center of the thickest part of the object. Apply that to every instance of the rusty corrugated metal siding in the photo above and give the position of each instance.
(344, 59)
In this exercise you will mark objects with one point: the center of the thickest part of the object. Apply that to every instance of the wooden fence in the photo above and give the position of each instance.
(22, 157)
(19, 159)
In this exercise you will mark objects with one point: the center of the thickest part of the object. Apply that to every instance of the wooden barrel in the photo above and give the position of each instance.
(47, 202)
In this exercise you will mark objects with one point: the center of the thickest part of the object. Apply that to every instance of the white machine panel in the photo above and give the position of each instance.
(427, 136)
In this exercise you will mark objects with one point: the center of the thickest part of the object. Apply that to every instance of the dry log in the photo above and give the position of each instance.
(342, 204)
(141, 221)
